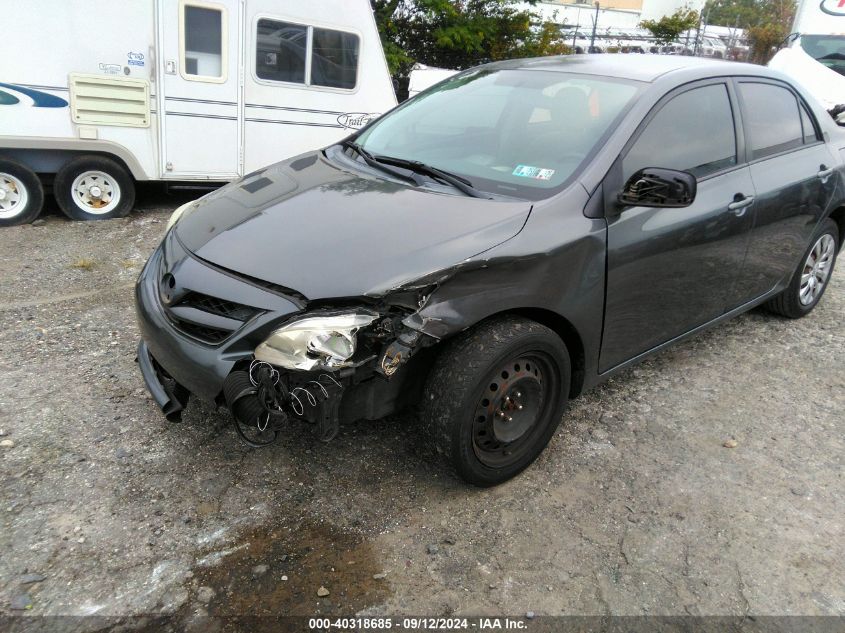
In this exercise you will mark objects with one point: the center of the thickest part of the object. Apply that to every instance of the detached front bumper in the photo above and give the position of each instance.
(170, 396)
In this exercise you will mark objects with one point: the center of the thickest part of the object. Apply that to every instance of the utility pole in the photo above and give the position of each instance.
(698, 36)
(577, 26)
(595, 24)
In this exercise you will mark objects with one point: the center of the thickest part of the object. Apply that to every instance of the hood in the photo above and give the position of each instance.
(325, 231)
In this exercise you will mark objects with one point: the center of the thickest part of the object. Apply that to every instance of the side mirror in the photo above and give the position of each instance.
(657, 187)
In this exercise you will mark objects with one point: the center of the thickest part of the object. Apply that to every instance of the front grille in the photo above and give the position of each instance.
(204, 333)
(220, 307)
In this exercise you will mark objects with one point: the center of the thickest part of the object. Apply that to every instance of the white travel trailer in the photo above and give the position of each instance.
(96, 94)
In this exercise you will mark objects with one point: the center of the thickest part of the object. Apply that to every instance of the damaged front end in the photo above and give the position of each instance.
(325, 367)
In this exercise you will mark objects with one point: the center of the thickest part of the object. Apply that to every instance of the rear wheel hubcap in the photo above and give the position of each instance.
(816, 269)
(95, 192)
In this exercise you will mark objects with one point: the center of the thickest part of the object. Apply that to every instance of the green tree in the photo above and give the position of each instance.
(461, 33)
(766, 22)
(669, 27)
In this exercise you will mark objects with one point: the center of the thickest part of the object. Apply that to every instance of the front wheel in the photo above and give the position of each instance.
(812, 276)
(94, 188)
(495, 396)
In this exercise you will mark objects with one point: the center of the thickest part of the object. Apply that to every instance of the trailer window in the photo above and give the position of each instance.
(281, 51)
(302, 54)
(334, 59)
(202, 42)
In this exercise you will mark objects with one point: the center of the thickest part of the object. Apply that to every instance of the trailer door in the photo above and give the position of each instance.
(200, 125)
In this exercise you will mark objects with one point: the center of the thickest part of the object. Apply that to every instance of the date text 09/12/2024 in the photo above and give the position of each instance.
(416, 624)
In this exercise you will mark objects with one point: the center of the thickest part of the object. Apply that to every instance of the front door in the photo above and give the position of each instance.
(200, 124)
(670, 270)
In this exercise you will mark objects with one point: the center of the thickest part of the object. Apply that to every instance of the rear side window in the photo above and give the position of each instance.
(693, 132)
(281, 51)
(334, 59)
(202, 43)
(772, 119)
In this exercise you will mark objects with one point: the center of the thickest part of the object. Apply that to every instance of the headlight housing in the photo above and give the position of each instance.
(177, 214)
(318, 342)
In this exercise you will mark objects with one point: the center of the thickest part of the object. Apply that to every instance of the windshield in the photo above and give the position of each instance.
(826, 49)
(521, 133)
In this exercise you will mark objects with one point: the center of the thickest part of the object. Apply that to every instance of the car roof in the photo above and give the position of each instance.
(637, 67)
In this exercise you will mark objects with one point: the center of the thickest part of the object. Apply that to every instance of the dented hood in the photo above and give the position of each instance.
(327, 231)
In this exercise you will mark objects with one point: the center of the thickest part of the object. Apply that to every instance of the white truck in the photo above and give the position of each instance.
(815, 56)
(96, 95)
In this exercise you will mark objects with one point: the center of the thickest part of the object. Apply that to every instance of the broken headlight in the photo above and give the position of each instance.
(320, 342)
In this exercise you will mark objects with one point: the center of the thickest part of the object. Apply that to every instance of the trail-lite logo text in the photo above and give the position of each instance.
(355, 120)
(833, 7)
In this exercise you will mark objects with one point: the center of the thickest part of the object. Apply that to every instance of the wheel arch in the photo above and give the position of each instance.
(561, 326)
(838, 216)
(47, 156)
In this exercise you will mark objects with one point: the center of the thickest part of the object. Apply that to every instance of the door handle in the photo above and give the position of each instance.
(739, 206)
(824, 172)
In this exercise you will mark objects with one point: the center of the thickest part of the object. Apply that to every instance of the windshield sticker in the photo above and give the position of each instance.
(527, 171)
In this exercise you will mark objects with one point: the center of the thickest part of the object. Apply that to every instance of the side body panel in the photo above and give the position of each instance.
(284, 119)
(213, 130)
(53, 38)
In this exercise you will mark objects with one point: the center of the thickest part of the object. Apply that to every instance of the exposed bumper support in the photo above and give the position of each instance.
(170, 396)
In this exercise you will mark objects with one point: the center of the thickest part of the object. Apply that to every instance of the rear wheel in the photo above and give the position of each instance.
(812, 276)
(94, 188)
(21, 194)
(495, 397)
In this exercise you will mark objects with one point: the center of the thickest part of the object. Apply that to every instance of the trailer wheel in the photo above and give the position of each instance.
(94, 188)
(21, 194)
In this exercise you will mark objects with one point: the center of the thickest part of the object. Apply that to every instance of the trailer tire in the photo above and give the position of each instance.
(21, 194)
(94, 188)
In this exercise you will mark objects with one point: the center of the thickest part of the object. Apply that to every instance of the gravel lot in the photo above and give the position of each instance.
(637, 507)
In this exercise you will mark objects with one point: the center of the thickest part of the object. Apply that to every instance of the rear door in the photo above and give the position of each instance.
(671, 270)
(790, 166)
(200, 125)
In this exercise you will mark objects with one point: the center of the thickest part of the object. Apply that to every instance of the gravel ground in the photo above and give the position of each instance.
(637, 506)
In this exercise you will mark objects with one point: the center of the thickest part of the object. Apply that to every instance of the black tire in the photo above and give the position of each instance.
(13, 178)
(458, 394)
(80, 207)
(788, 303)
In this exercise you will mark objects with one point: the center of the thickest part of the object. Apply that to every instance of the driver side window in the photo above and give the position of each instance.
(693, 132)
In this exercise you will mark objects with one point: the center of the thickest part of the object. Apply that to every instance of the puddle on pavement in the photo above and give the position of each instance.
(310, 556)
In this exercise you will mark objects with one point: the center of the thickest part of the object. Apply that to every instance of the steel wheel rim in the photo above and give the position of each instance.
(816, 270)
(13, 196)
(95, 192)
(509, 413)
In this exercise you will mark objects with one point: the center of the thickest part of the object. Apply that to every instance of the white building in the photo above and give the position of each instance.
(612, 14)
